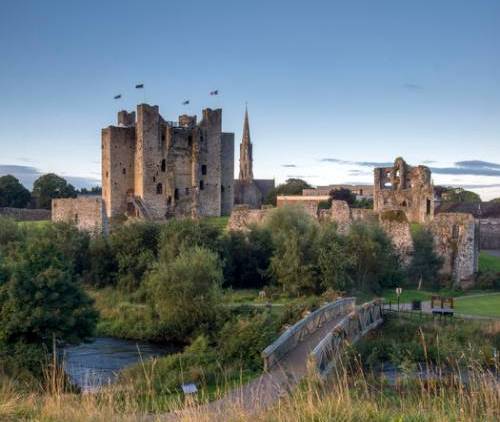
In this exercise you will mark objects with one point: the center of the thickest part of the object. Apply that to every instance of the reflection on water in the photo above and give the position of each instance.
(92, 365)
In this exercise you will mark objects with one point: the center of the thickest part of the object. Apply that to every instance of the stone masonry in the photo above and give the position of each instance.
(406, 188)
(86, 212)
(156, 169)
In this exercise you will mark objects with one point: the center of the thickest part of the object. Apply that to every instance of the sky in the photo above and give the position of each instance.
(333, 88)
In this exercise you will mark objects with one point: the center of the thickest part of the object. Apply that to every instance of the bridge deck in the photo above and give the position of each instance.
(266, 389)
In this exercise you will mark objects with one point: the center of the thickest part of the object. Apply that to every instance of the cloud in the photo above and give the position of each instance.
(465, 171)
(357, 163)
(288, 165)
(358, 173)
(299, 176)
(28, 174)
(413, 87)
(478, 164)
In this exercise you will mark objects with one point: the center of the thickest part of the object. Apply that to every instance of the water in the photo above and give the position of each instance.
(92, 365)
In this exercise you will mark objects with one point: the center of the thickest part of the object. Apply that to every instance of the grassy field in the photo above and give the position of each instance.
(219, 222)
(484, 305)
(489, 262)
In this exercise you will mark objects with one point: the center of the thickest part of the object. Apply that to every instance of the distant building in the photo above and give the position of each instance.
(247, 190)
(361, 191)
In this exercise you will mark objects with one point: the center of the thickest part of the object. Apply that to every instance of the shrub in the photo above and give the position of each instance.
(185, 292)
(425, 264)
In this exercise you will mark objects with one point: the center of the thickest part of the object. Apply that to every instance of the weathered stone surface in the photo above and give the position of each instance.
(456, 240)
(396, 226)
(242, 217)
(153, 168)
(86, 212)
(25, 214)
(406, 188)
(309, 203)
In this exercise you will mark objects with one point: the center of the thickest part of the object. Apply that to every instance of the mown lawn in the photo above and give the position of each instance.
(487, 305)
(489, 262)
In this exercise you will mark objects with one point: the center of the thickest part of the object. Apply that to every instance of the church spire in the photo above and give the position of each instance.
(246, 159)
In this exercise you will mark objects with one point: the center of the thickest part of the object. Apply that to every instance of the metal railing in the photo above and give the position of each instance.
(349, 330)
(305, 327)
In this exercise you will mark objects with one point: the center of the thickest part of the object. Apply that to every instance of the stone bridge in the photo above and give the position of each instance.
(312, 345)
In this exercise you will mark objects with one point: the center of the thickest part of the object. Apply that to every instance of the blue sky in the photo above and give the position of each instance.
(333, 87)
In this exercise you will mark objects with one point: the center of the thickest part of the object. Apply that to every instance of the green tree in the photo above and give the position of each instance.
(135, 249)
(425, 264)
(246, 258)
(50, 186)
(290, 187)
(293, 264)
(177, 235)
(334, 263)
(13, 193)
(40, 298)
(343, 194)
(185, 292)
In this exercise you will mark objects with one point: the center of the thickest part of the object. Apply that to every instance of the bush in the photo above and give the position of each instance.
(425, 264)
(185, 293)
(135, 248)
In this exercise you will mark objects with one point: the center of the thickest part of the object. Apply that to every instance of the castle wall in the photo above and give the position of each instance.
(25, 214)
(397, 228)
(227, 176)
(406, 188)
(455, 239)
(242, 217)
(118, 146)
(310, 203)
(209, 184)
(86, 212)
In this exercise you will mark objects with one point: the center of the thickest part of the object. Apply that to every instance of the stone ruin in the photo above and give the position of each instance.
(403, 195)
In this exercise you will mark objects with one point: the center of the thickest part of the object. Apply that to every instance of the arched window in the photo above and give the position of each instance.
(163, 165)
(159, 189)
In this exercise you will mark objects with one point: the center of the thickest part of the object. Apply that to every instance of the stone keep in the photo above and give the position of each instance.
(155, 169)
(406, 188)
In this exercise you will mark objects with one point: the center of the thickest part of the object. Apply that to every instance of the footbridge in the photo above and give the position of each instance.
(312, 345)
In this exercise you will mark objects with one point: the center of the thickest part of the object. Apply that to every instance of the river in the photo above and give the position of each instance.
(97, 363)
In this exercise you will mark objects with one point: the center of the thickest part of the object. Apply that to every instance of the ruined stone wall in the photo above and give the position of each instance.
(242, 217)
(341, 214)
(455, 239)
(227, 173)
(118, 148)
(406, 188)
(25, 214)
(489, 233)
(396, 226)
(86, 212)
(310, 203)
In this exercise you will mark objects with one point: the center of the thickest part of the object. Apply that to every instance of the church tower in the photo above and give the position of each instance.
(246, 159)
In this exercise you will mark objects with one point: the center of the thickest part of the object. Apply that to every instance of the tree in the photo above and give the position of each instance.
(185, 292)
(334, 263)
(454, 195)
(425, 264)
(40, 297)
(177, 235)
(50, 186)
(290, 187)
(13, 193)
(247, 257)
(293, 264)
(343, 194)
(135, 249)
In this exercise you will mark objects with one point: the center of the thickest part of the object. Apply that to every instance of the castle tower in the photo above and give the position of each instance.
(246, 159)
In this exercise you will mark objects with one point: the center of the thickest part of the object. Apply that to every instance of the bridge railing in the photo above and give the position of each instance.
(306, 326)
(349, 330)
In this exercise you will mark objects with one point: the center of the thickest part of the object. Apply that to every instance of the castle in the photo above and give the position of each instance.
(156, 169)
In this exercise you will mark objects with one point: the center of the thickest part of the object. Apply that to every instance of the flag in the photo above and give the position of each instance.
(116, 97)
(185, 102)
(139, 86)
(216, 92)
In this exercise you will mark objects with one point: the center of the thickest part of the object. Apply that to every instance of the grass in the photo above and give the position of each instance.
(219, 222)
(487, 305)
(489, 262)
(34, 224)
